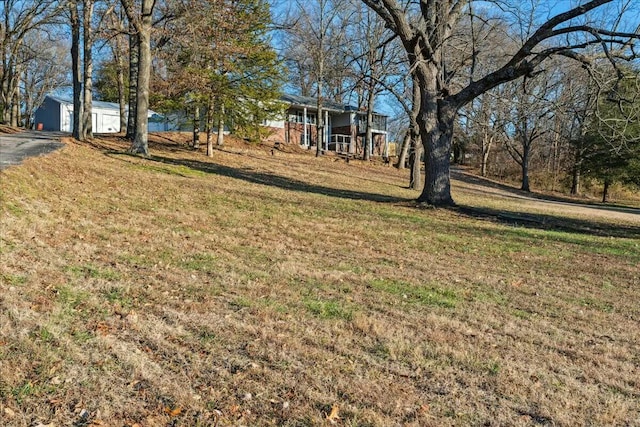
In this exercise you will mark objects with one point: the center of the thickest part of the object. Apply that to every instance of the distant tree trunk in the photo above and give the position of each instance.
(415, 163)
(320, 122)
(525, 168)
(87, 112)
(575, 180)
(133, 83)
(458, 153)
(605, 191)
(486, 148)
(577, 168)
(15, 105)
(220, 141)
(404, 150)
(196, 127)
(76, 69)
(122, 97)
(369, 132)
(320, 80)
(413, 133)
(209, 127)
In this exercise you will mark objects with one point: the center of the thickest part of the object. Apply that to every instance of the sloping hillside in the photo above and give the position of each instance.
(276, 288)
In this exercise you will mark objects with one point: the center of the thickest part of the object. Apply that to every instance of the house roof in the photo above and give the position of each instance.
(312, 102)
(96, 104)
(99, 104)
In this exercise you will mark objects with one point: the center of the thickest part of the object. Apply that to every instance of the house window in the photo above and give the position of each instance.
(311, 118)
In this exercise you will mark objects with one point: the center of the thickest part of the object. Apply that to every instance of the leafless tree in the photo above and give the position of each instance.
(45, 72)
(18, 20)
(426, 29)
(141, 19)
(315, 36)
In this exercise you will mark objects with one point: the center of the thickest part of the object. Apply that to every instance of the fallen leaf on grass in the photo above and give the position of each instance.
(333, 416)
(102, 328)
(173, 412)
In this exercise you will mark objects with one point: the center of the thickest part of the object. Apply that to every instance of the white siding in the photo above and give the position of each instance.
(278, 124)
(110, 122)
(66, 117)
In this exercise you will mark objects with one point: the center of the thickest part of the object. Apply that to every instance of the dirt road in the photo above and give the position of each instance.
(541, 203)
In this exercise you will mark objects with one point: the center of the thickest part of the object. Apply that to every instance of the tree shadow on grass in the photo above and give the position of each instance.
(551, 222)
(273, 180)
(519, 219)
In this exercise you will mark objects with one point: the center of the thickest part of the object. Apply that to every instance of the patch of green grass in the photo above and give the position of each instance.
(94, 272)
(274, 304)
(493, 368)
(23, 391)
(119, 296)
(490, 296)
(174, 170)
(70, 297)
(522, 314)
(14, 209)
(81, 336)
(603, 306)
(328, 309)
(206, 335)
(240, 303)
(404, 216)
(419, 294)
(44, 334)
(380, 350)
(13, 279)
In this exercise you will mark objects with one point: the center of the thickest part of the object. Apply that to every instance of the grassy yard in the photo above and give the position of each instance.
(258, 289)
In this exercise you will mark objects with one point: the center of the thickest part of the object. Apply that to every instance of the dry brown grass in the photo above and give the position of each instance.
(259, 289)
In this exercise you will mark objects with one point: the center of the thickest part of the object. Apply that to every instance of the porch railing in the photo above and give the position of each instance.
(340, 143)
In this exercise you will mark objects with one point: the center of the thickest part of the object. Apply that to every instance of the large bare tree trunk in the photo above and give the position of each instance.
(425, 30)
(87, 106)
(133, 83)
(435, 121)
(140, 143)
(76, 69)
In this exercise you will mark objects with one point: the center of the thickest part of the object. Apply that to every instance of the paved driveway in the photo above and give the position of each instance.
(14, 148)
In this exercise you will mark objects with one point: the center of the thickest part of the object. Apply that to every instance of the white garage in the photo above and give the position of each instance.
(56, 114)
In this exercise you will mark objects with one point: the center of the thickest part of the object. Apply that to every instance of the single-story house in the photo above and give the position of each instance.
(56, 114)
(345, 124)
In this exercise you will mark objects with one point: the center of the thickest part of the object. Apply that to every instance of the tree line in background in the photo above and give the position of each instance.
(490, 84)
